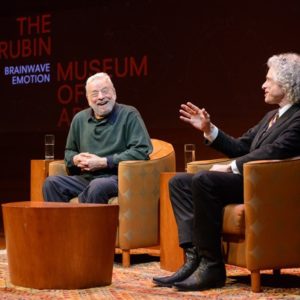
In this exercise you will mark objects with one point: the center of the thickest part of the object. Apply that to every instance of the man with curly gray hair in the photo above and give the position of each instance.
(198, 199)
(287, 74)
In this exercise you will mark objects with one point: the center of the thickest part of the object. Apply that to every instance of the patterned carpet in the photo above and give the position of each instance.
(136, 283)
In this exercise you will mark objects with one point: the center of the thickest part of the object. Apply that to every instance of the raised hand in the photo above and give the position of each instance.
(198, 118)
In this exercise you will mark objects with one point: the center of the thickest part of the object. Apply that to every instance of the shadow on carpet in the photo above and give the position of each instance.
(136, 283)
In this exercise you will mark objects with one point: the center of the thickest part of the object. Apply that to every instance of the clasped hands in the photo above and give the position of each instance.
(89, 162)
(200, 119)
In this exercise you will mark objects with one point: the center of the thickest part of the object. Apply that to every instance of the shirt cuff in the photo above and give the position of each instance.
(110, 163)
(213, 133)
(234, 168)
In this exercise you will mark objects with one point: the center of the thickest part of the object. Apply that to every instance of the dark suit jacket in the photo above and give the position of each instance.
(281, 141)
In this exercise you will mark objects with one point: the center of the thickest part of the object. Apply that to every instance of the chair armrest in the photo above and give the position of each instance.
(201, 165)
(272, 210)
(57, 167)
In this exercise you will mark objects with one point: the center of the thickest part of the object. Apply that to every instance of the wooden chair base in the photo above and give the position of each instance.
(126, 254)
(255, 282)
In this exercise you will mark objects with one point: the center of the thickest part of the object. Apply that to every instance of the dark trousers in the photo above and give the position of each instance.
(198, 201)
(64, 188)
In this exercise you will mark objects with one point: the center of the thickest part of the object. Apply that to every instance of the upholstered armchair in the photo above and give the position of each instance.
(138, 197)
(263, 233)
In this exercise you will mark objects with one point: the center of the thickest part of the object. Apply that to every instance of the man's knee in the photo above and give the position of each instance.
(99, 190)
(203, 178)
(173, 182)
(49, 186)
(95, 187)
(100, 185)
(178, 180)
(202, 175)
(49, 182)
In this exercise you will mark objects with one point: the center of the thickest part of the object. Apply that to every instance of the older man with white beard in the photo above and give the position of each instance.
(99, 138)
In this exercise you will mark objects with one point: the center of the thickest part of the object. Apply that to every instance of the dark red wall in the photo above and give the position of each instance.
(159, 54)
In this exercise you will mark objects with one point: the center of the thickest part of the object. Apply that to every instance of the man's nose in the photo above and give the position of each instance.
(100, 95)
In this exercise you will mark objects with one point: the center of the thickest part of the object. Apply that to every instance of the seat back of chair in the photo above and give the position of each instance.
(139, 192)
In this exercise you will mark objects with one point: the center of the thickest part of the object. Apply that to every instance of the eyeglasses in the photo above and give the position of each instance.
(104, 92)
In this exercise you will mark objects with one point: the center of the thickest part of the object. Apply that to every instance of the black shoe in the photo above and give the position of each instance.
(208, 275)
(191, 263)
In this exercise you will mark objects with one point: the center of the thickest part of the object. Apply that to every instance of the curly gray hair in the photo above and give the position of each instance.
(287, 73)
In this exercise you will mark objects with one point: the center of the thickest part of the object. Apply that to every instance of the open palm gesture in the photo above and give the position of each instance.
(198, 118)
